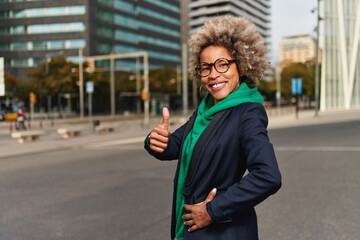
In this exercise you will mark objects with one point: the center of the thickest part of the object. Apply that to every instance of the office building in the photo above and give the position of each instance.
(340, 73)
(294, 49)
(32, 31)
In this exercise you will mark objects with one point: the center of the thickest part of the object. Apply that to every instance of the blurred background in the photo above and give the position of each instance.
(82, 82)
(49, 50)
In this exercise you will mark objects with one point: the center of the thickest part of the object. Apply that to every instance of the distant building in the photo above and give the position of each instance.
(33, 30)
(340, 73)
(294, 49)
(257, 11)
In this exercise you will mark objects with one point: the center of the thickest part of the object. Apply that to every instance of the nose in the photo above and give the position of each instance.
(213, 74)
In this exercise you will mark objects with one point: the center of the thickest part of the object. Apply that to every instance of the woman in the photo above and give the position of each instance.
(225, 137)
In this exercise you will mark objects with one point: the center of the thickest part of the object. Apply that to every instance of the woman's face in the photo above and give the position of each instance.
(219, 85)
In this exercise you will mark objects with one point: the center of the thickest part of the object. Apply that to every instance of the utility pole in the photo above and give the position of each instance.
(184, 8)
(81, 83)
(317, 61)
(112, 84)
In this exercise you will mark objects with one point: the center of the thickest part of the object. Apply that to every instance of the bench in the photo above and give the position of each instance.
(104, 128)
(21, 136)
(68, 131)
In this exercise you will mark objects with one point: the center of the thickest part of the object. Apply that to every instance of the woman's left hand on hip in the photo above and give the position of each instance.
(198, 217)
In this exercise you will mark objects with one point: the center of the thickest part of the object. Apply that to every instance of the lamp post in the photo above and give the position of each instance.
(184, 8)
(317, 61)
(81, 83)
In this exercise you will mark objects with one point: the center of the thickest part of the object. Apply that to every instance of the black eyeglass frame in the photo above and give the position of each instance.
(213, 64)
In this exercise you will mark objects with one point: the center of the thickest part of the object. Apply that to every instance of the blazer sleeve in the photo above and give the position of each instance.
(264, 176)
(173, 148)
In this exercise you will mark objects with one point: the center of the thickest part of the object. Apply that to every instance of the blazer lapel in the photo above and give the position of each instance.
(220, 116)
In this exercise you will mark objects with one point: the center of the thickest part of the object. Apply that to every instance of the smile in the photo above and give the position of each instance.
(217, 85)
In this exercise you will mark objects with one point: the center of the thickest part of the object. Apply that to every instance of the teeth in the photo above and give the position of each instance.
(217, 85)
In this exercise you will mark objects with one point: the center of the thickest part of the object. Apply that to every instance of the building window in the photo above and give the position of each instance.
(119, 5)
(44, 12)
(77, 43)
(19, 46)
(159, 29)
(57, 27)
(20, 62)
(164, 5)
(126, 36)
(105, 32)
(58, 44)
(19, 14)
(4, 47)
(19, 30)
(158, 16)
(4, 30)
(37, 61)
(39, 45)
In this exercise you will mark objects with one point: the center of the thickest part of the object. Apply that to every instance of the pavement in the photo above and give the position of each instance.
(131, 130)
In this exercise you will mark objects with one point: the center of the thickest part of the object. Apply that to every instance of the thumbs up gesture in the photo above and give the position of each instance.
(159, 136)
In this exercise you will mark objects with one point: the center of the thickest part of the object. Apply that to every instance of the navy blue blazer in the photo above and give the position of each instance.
(236, 140)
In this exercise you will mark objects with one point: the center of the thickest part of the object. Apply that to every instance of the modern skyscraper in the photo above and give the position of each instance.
(340, 78)
(32, 31)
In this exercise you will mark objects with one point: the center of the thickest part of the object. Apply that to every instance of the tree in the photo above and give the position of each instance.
(57, 77)
(305, 71)
(12, 85)
(267, 89)
(162, 79)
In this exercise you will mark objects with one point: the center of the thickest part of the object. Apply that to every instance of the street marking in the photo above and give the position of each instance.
(116, 142)
(319, 149)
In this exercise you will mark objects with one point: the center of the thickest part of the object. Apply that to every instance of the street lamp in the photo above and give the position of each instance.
(317, 59)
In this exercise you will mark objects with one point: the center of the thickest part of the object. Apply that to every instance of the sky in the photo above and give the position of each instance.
(290, 17)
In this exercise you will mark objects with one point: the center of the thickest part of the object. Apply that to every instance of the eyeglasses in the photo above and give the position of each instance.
(221, 65)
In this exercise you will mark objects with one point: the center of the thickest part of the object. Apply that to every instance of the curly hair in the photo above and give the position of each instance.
(239, 36)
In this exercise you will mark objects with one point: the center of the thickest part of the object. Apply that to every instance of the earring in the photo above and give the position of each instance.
(201, 90)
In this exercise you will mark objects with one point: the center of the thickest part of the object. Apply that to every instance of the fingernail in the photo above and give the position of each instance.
(214, 190)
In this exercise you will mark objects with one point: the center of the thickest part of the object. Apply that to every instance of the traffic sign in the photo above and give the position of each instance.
(296, 86)
(89, 87)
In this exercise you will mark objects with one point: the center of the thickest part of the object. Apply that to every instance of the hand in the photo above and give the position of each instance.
(159, 136)
(198, 216)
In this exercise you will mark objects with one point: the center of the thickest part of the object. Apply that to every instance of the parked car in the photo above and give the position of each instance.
(8, 116)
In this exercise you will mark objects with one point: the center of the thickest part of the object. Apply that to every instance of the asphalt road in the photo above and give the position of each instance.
(120, 192)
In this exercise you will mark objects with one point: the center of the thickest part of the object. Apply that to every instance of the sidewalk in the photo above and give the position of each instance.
(130, 131)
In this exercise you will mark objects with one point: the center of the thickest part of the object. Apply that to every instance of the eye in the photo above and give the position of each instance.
(204, 68)
(222, 65)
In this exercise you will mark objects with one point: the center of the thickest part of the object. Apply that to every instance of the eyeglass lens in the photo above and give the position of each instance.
(221, 65)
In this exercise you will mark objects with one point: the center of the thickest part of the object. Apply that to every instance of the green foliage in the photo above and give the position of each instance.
(305, 71)
(13, 85)
(162, 80)
(60, 78)
(267, 89)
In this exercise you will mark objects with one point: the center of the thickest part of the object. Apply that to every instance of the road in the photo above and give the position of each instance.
(119, 192)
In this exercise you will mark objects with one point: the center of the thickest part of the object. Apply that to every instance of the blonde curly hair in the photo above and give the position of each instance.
(239, 36)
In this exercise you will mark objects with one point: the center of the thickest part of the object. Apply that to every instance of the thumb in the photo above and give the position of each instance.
(211, 195)
(166, 116)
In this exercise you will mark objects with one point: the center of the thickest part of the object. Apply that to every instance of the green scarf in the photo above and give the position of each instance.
(206, 112)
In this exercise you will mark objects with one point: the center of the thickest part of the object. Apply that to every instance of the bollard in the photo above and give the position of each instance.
(10, 127)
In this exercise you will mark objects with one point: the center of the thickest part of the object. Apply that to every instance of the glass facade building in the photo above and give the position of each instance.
(340, 73)
(33, 30)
